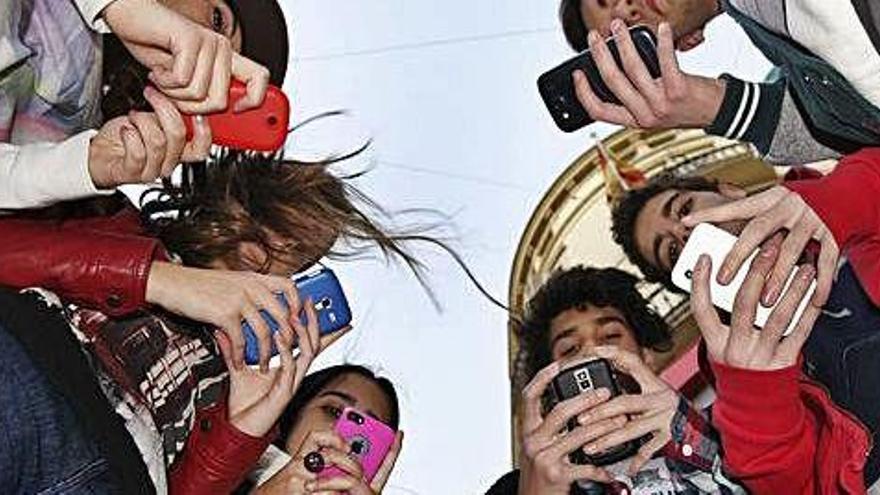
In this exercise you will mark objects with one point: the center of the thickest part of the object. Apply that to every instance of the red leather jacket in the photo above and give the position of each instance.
(104, 263)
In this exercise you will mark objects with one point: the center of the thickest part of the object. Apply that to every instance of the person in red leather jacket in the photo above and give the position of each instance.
(240, 212)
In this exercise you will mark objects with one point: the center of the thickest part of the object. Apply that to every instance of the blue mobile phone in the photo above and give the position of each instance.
(328, 298)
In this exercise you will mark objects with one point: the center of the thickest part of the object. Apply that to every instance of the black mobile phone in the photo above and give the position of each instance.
(557, 88)
(578, 378)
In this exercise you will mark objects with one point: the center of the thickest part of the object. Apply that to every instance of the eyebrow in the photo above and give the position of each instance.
(666, 211)
(561, 335)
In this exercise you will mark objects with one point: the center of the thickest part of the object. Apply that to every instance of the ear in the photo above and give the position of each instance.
(251, 256)
(690, 40)
(731, 191)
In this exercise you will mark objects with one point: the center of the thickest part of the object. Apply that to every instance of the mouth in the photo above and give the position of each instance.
(652, 4)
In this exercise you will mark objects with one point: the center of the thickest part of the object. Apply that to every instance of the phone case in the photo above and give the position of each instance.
(369, 439)
(709, 239)
(579, 377)
(557, 88)
(259, 129)
(331, 305)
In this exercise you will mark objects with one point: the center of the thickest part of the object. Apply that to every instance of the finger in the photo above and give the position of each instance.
(569, 408)
(336, 484)
(632, 430)
(185, 56)
(271, 303)
(669, 69)
(622, 405)
(532, 393)
(782, 315)
(618, 83)
(255, 76)
(826, 267)
(306, 353)
(330, 338)
(135, 153)
(704, 312)
(792, 247)
(197, 89)
(753, 235)
(745, 304)
(261, 330)
(199, 147)
(154, 143)
(172, 127)
(235, 332)
(218, 91)
(597, 109)
(741, 209)
(312, 324)
(384, 472)
(632, 365)
(645, 453)
(225, 345)
(788, 350)
(587, 472)
(342, 460)
(285, 384)
(583, 435)
(634, 66)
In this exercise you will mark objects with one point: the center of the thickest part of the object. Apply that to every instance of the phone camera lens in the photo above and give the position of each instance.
(688, 274)
(358, 447)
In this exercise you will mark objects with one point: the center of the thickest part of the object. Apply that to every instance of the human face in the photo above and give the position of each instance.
(212, 14)
(687, 17)
(659, 233)
(321, 413)
(575, 333)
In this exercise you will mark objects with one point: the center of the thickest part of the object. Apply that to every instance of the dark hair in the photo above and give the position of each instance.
(314, 383)
(578, 288)
(573, 24)
(625, 214)
(249, 197)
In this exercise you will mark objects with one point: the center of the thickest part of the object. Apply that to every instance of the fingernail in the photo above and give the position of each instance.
(149, 92)
(590, 449)
(603, 393)
(702, 262)
(724, 275)
(593, 36)
(686, 219)
(617, 26)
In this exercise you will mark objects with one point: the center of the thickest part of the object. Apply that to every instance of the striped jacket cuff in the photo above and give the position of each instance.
(749, 112)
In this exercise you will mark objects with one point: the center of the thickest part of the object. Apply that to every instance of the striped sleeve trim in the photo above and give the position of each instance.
(749, 112)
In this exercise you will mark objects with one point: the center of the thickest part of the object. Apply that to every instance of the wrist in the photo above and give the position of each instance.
(157, 281)
(96, 172)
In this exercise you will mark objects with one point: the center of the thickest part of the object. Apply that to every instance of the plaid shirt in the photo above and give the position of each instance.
(50, 71)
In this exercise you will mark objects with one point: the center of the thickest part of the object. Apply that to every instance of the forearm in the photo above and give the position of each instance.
(101, 270)
(217, 457)
(769, 439)
(38, 175)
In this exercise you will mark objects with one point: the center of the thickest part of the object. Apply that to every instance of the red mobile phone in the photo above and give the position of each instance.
(259, 129)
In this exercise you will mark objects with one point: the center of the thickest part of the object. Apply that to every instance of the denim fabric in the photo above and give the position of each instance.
(843, 353)
(42, 447)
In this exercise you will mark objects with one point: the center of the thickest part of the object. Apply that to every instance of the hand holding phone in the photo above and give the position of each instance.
(331, 306)
(716, 243)
(263, 128)
(738, 344)
(557, 87)
(369, 440)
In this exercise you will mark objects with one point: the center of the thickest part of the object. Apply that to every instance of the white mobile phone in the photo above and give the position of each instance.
(709, 239)
(272, 461)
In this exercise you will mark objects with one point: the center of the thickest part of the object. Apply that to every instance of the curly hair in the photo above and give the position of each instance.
(626, 213)
(578, 288)
(573, 25)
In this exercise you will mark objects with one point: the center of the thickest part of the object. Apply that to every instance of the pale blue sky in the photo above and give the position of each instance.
(459, 127)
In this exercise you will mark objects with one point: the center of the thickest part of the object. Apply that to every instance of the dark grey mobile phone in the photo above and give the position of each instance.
(557, 88)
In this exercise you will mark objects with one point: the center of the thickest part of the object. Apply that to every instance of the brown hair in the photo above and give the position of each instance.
(294, 210)
(573, 24)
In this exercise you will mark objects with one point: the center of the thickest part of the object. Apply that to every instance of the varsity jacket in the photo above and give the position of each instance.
(824, 98)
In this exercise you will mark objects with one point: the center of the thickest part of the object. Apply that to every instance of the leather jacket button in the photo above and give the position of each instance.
(114, 300)
(205, 424)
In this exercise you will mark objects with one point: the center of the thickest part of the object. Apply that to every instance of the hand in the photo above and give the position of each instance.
(768, 213)
(191, 64)
(651, 411)
(143, 146)
(353, 482)
(675, 99)
(545, 468)
(225, 299)
(294, 478)
(741, 345)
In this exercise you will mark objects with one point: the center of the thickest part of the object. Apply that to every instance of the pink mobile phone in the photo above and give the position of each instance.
(369, 441)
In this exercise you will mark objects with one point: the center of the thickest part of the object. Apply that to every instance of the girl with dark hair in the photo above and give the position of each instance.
(306, 427)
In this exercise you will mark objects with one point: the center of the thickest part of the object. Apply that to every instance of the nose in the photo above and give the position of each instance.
(628, 11)
(681, 232)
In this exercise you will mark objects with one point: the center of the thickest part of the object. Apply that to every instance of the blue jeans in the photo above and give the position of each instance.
(43, 450)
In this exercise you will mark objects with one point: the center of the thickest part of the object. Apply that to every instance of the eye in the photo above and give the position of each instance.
(613, 337)
(686, 208)
(569, 350)
(217, 22)
(332, 411)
